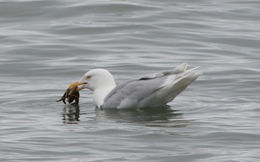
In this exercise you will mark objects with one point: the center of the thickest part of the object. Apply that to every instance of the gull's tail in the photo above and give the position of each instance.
(179, 79)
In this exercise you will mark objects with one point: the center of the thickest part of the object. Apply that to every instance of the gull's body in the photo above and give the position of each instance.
(153, 91)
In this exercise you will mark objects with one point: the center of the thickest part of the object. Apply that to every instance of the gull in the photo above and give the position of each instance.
(149, 91)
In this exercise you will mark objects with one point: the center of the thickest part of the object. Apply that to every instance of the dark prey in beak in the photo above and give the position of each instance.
(71, 94)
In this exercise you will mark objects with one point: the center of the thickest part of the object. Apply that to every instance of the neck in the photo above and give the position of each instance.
(101, 93)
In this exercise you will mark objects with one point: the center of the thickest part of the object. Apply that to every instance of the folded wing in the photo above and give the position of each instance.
(151, 91)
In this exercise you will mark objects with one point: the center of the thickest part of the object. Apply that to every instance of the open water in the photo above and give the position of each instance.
(47, 44)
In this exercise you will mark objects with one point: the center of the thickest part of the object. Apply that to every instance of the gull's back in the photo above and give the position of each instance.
(153, 91)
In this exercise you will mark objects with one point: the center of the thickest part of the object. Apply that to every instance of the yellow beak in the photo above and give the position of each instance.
(76, 84)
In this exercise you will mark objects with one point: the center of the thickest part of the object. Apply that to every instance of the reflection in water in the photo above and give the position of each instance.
(71, 114)
(162, 117)
(152, 117)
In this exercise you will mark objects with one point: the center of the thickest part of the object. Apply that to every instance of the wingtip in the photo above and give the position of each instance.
(197, 74)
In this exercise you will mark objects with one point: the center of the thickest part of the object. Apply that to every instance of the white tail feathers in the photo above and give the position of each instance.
(181, 68)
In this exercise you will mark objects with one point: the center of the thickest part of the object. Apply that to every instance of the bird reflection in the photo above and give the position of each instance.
(71, 113)
(163, 116)
(152, 117)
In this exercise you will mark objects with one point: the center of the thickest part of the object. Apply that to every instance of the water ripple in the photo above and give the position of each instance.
(46, 45)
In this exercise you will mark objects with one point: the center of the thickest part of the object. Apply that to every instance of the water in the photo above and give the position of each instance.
(48, 44)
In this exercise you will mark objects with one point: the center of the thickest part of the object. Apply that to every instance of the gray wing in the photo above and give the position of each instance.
(131, 92)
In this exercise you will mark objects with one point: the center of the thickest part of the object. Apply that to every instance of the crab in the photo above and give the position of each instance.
(72, 93)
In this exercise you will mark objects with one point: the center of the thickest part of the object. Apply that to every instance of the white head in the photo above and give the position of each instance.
(100, 81)
(97, 78)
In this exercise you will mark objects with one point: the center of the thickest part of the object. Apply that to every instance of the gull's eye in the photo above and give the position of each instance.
(88, 77)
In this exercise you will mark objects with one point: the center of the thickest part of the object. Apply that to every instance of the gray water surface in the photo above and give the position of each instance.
(47, 44)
